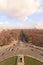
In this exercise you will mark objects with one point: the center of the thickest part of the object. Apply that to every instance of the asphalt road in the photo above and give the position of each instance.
(21, 49)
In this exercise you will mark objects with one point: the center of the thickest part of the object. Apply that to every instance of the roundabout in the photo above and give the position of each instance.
(27, 50)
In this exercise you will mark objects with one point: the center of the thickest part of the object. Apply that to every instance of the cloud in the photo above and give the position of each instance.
(5, 25)
(20, 9)
(39, 25)
(21, 26)
(8, 25)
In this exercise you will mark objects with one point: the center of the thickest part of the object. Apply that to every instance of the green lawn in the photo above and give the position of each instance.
(9, 61)
(31, 61)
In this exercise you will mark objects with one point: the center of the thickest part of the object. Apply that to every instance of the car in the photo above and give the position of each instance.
(2, 54)
(31, 46)
(31, 49)
(13, 44)
(41, 54)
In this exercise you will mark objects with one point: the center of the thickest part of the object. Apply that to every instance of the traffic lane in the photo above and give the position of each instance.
(35, 53)
(25, 51)
(16, 49)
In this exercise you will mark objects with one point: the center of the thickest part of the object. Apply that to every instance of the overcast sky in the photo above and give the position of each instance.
(21, 14)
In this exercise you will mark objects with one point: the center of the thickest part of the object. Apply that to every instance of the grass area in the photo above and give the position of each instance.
(31, 61)
(9, 61)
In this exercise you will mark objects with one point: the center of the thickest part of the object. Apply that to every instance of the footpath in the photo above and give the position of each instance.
(20, 60)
